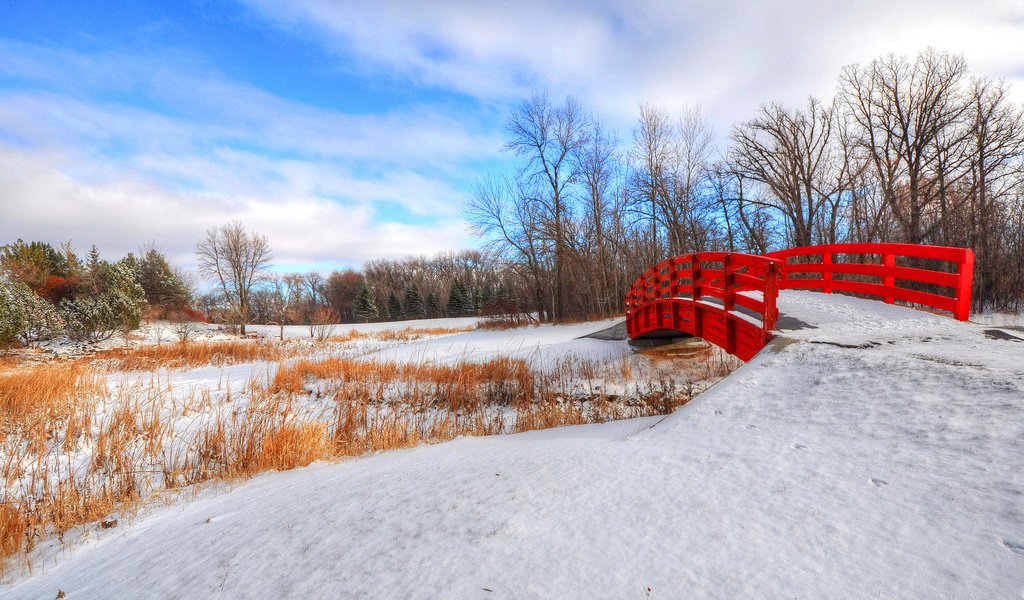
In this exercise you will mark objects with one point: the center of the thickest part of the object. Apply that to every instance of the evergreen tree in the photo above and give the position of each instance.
(483, 297)
(366, 304)
(459, 301)
(165, 287)
(394, 307)
(413, 302)
(503, 303)
(41, 319)
(95, 316)
(94, 280)
(433, 305)
(32, 263)
(12, 313)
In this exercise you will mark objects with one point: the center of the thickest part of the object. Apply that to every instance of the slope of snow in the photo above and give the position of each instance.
(877, 453)
(539, 344)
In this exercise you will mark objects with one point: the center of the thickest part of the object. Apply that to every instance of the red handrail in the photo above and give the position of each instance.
(730, 299)
(712, 295)
(818, 266)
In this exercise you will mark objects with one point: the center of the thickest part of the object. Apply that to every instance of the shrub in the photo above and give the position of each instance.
(117, 307)
(41, 319)
(12, 313)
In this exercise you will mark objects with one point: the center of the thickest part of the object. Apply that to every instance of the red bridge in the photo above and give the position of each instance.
(729, 298)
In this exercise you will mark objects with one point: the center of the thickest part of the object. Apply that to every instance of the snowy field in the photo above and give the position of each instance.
(870, 451)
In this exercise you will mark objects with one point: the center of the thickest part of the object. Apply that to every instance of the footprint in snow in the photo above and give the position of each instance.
(1014, 547)
(796, 446)
(879, 482)
(749, 426)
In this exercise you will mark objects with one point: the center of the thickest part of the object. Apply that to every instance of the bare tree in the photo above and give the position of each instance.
(792, 154)
(694, 227)
(505, 212)
(653, 153)
(286, 295)
(669, 162)
(905, 112)
(597, 164)
(236, 260)
(549, 136)
(342, 288)
(996, 146)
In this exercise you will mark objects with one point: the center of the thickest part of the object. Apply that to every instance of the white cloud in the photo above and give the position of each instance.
(123, 147)
(728, 55)
(187, 151)
(40, 202)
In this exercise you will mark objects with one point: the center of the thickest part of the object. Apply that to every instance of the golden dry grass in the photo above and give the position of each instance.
(503, 322)
(35, 402)
(196, 354)
(146, 436)
(409, 334)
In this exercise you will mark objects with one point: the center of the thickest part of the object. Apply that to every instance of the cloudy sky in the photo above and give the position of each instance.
(348, 130)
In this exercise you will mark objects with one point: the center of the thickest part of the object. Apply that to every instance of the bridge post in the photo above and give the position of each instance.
(698, 313)
(826, 271)
(963, 290)
(771, 294)
(888, 281)
(695, 275)
(729, 303)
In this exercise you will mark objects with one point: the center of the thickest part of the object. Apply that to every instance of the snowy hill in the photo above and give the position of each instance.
(869, 451)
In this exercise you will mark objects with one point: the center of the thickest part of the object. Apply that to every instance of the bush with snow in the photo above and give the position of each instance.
(117, 307)
(41, 320)
(12, 313)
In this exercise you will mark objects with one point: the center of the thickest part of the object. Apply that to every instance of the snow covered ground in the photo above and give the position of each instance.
(875, 451)
(302, 331)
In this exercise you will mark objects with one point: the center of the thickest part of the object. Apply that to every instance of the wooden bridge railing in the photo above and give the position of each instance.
(730, 299)
(848, 268)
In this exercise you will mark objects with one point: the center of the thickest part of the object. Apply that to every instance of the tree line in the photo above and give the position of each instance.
(48, 292)
(909, 150)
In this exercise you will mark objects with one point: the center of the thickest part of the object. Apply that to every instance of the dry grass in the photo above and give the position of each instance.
(503, 322)
(409, 334)
(36, 402)
(73, 449)
(195, 354)
(293, 377)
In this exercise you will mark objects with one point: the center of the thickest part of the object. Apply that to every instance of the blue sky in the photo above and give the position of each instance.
(352, 130)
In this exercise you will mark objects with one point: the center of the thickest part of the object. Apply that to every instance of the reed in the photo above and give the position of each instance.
(196, 354)
(73, 449)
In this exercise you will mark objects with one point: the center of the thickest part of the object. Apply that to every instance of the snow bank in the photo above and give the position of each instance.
(540, 345)
(875, 453)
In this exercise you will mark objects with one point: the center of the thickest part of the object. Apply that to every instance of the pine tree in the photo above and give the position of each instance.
(96, 271)
(483, 297)
(503, 303)
(459, 302)
(41, 319)
(118, 306)
(12, 313)
(366, 304)
(164, 286)
(433, 305)
(32, 263)
(394, 307)
(413, 302)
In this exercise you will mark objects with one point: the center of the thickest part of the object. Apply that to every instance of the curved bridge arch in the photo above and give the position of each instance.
(730, 299)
